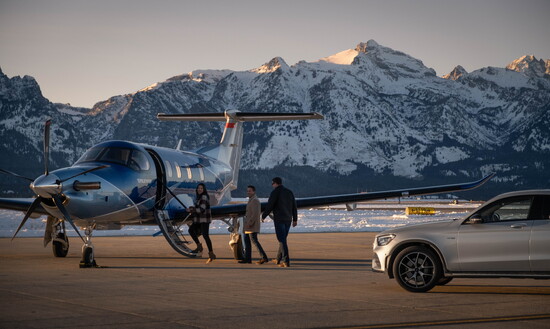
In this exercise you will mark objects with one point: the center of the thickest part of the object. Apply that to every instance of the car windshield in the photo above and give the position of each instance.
(132, 158)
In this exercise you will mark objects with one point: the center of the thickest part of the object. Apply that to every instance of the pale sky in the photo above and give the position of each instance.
(83, 51)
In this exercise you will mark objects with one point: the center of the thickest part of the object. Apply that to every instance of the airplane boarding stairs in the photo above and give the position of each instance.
(172, 229)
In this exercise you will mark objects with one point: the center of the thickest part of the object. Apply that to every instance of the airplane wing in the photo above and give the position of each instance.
(21, 204)
(237, 210)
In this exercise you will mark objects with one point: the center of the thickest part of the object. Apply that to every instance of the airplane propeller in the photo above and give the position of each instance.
(16, 175)
(50, 187)
(33, 206)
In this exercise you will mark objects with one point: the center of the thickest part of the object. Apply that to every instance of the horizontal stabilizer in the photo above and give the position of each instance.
(238, 116)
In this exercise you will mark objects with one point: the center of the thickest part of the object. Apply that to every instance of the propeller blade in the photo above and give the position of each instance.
(85, 172)
(33, 206)
(16, 175)
(47, 146)
(66, 215)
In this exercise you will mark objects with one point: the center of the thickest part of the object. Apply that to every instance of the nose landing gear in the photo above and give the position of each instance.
(88, 249)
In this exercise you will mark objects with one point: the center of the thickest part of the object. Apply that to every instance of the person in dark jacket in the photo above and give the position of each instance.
(201, 221)
(285, 213)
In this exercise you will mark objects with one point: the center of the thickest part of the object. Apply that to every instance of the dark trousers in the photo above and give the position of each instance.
(248, 246)
(197, 229)
(281, 230)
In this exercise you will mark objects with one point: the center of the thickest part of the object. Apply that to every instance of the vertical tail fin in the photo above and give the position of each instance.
(230, 147)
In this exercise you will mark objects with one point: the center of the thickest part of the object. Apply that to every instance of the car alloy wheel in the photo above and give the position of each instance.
(417, 269)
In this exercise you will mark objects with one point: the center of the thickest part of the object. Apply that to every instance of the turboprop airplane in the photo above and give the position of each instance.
(118, 183)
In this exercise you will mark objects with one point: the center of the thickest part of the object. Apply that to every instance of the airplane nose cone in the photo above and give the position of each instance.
(47, 186)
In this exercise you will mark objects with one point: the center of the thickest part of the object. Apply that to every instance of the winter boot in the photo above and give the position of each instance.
(211, 257)
(198, 250)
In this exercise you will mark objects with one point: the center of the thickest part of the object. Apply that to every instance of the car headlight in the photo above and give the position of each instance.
(383, 240)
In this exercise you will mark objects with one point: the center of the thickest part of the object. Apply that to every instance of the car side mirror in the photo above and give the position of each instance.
(475, 219)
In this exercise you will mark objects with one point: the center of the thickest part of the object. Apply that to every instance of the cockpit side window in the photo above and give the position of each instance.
(139, 161)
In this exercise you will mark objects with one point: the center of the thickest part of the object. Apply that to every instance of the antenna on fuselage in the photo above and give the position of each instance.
(179, 145)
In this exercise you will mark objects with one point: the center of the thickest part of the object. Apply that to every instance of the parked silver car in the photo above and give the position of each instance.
(508, 236)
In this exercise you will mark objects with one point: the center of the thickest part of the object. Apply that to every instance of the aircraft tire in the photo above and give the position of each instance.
(87, 258)
(59, 248)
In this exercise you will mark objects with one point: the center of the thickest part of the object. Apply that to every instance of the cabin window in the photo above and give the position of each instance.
(189, 174)
(201, 172)
(178, 169)
(168, 168)
(195, 172)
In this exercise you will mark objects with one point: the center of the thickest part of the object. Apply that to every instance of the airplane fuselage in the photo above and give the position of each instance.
(135, 183)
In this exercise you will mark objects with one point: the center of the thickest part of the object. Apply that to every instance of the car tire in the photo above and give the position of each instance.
(417, 269)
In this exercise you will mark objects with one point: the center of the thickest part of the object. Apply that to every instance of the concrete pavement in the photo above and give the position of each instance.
(145, 284)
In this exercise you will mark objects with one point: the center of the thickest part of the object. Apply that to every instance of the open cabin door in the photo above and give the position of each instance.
(160, 198)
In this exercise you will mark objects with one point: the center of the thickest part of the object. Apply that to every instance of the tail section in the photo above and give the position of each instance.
(230, 147)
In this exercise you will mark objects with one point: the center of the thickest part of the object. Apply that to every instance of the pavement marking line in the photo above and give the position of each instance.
(450, 322)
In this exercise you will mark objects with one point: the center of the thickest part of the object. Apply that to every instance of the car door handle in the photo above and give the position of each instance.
(519, 225)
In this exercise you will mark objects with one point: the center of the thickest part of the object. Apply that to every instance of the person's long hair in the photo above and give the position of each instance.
(204, 191)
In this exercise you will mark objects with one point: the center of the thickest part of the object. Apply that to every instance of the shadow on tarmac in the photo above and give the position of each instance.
(469, 289)
(300, 264)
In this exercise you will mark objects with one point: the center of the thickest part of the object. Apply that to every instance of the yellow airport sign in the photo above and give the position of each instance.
(420, 211)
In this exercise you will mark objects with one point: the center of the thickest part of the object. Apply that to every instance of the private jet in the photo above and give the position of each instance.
(118, 183)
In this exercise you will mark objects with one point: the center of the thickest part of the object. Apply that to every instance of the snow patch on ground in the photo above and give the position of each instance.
(313, 220)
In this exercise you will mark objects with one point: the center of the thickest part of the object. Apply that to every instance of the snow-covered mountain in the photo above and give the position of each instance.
(388, 118)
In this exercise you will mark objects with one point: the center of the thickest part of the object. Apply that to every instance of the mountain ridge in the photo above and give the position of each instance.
(384, 110)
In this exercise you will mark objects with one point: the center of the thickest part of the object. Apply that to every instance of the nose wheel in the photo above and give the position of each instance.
(88, 259)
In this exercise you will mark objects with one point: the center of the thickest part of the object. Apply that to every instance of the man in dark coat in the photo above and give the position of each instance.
(285, 213)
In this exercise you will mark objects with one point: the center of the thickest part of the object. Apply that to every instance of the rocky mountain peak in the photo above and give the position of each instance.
(370, 45)
(530, 66)
(456, 73)
(272, 66)
(18, 88)
(390, 60)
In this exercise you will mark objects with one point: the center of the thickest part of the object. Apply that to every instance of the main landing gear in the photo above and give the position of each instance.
(55, 232)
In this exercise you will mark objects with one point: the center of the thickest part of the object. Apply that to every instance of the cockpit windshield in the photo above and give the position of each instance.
(132, 158)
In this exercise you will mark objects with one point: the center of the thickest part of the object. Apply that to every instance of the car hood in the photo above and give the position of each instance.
(430, 226)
